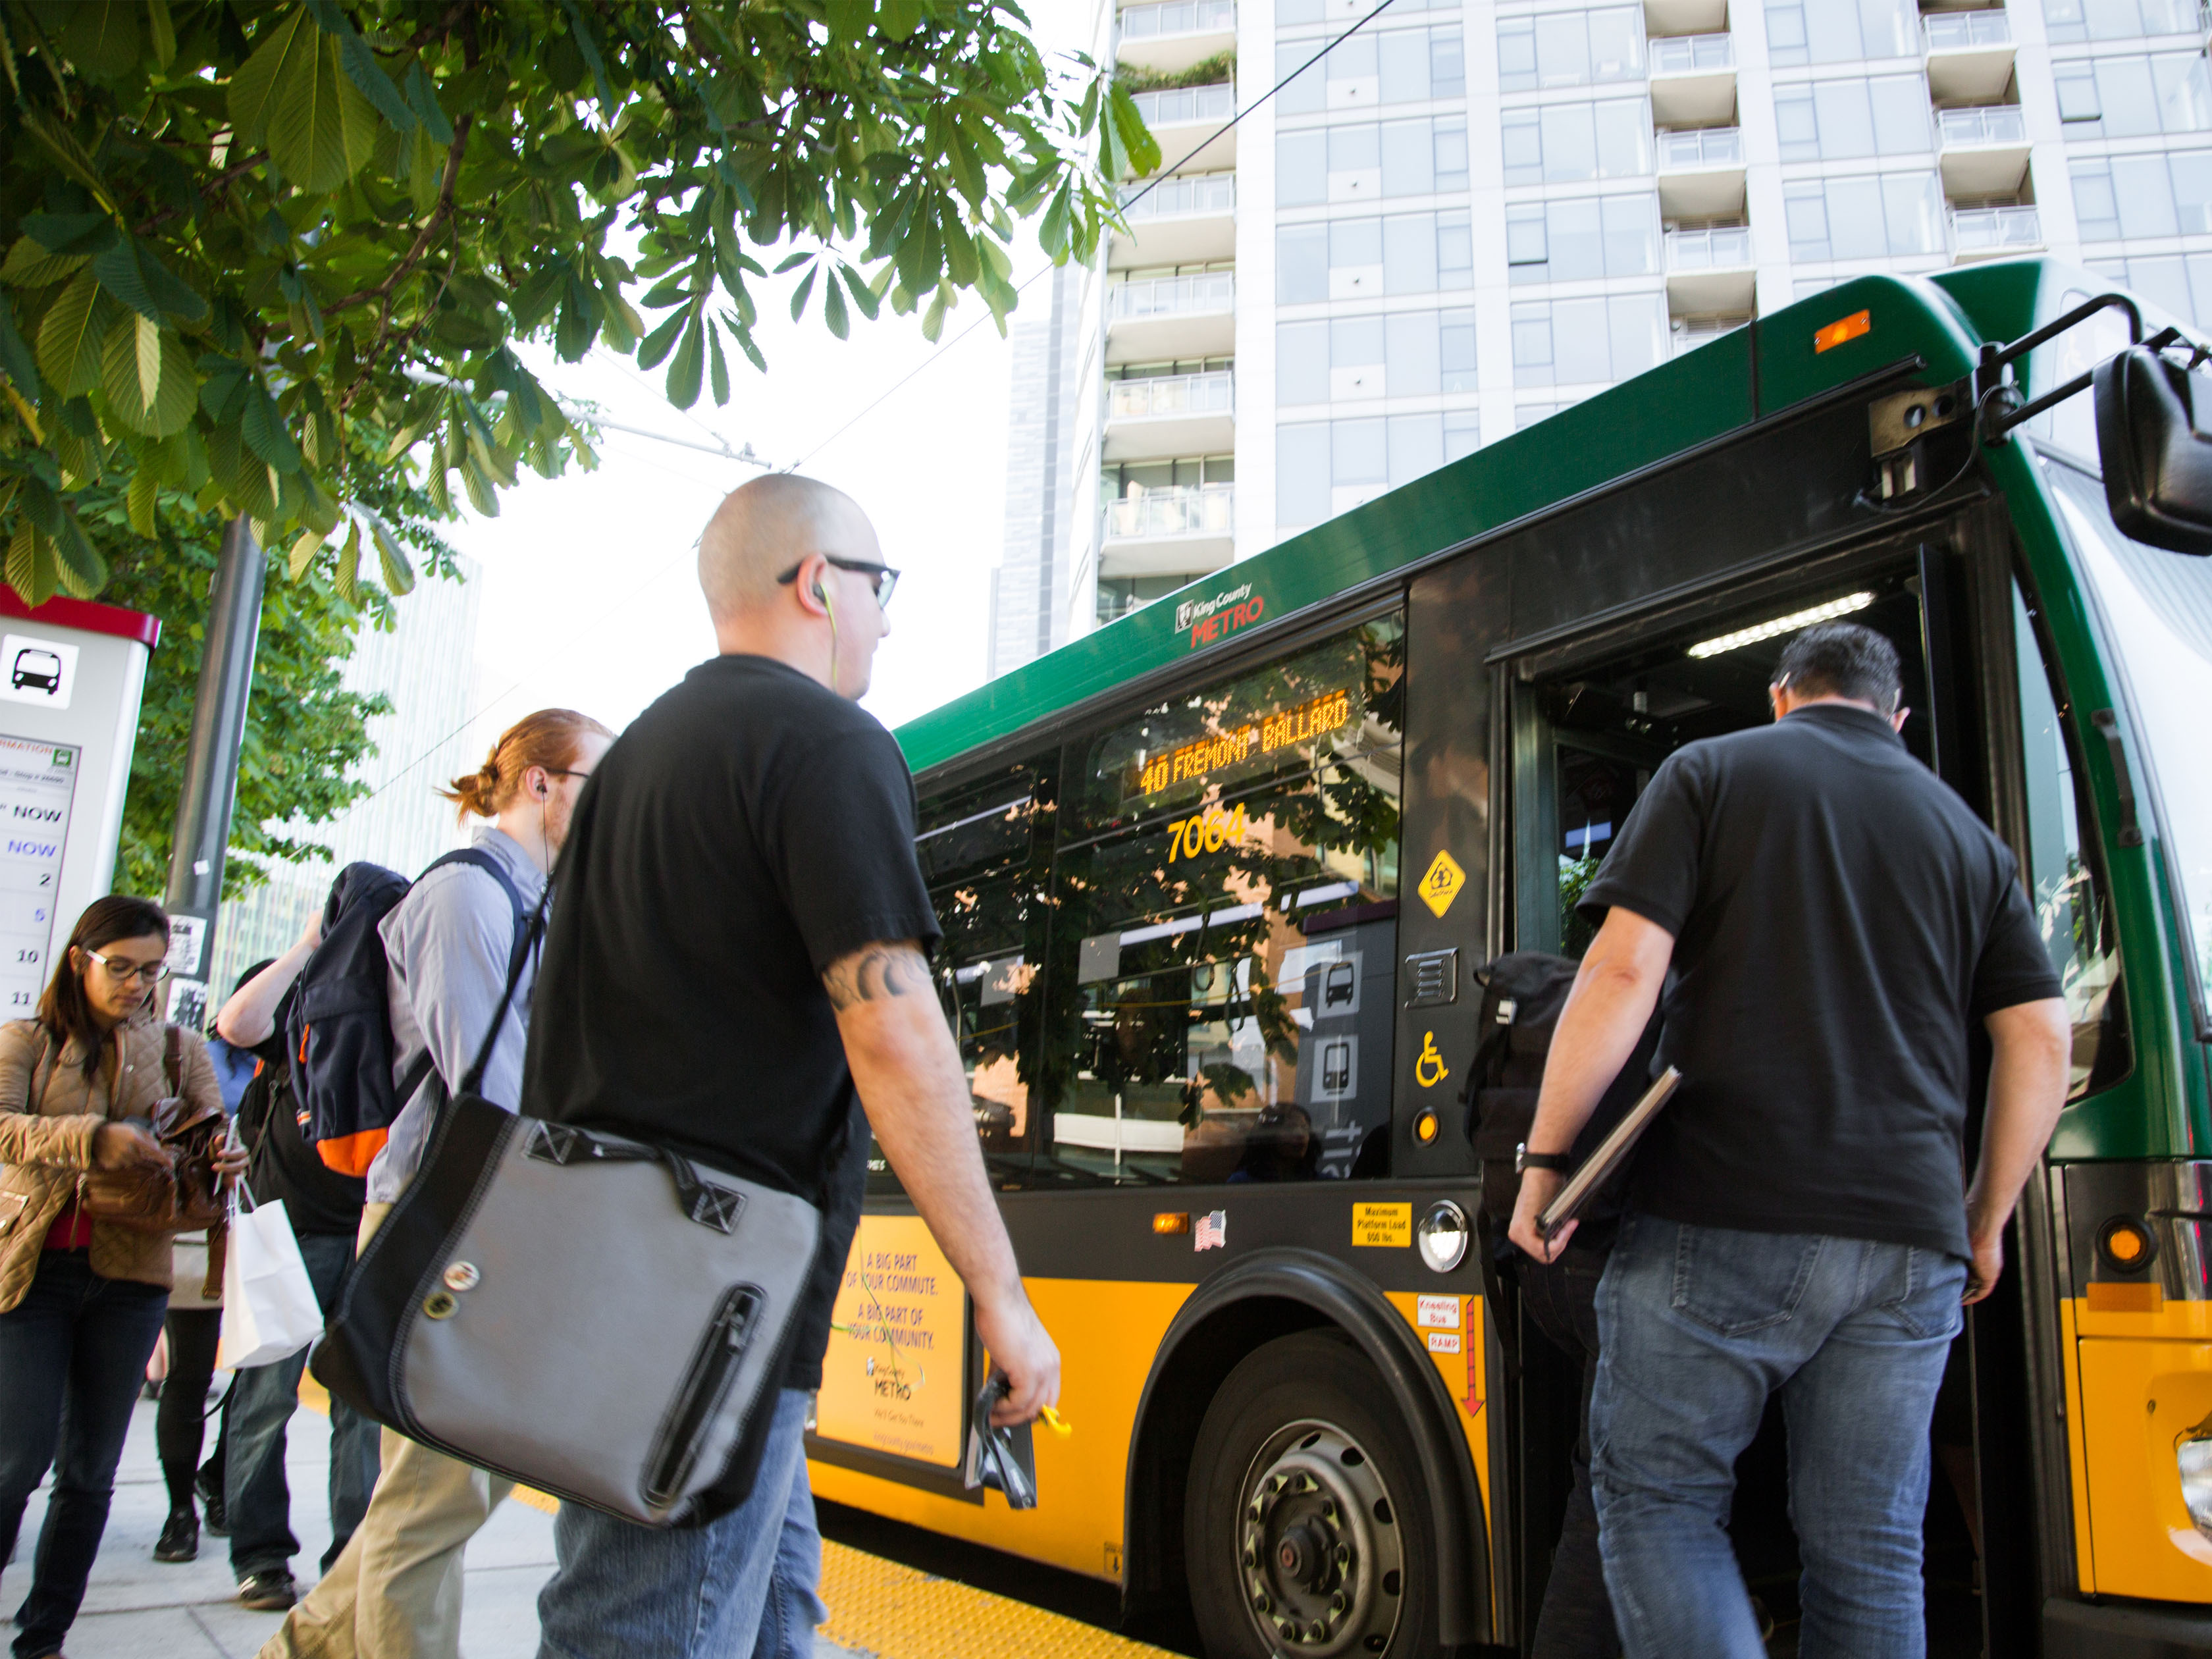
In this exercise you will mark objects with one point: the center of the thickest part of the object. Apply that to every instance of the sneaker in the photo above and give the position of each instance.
(268, 1592)
(180, 1538)
(209, 1485)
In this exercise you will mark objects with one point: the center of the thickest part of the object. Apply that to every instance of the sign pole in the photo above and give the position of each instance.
(209, 794)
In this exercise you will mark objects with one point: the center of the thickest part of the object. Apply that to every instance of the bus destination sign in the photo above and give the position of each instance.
(1330, 711)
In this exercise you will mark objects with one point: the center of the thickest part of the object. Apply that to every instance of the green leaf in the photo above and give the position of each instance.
(398, 573)
(346, 578)
(69, 337)
(662, 340)
(482, 495)
(684, 368)
(102, 37)
(869, 299)
(933, 320)
(254, 92)
(30, 564)
(138, 501)
(129, 270)
(833, 310)
(15, 355)
(423, 99)
(590, 49)
(29, 265)
(360, 66)
(164, 33)
(718, 367)
(1137, 144)
(799, 299)
(303, 552)
(262, 426)
(147, 373)
(82, 572)
(293, 92)
(70, 232)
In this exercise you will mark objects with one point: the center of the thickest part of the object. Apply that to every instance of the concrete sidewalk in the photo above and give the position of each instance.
(140, 1608)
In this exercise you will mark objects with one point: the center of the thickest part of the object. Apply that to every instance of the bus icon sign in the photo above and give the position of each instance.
(39, 672)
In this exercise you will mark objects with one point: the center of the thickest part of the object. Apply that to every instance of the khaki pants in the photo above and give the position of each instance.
(395, 1592)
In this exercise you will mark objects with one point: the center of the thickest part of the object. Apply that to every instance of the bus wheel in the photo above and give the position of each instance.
(1306, 1521)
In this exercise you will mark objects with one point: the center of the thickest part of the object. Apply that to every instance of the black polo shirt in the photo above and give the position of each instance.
(1842, 920)
(748, 830)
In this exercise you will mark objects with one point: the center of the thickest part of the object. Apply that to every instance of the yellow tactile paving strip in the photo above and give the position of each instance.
(880, 1608)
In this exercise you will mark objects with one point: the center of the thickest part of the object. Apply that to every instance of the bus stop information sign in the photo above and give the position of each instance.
(70, 676)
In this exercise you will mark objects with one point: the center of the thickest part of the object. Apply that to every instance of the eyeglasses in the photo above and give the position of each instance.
(152, 972)
(886, 578)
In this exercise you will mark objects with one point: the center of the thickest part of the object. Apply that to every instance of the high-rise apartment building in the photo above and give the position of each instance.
(1470, 214)
(426, 666)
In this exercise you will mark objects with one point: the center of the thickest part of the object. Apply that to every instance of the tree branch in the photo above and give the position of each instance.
(430, 229)
(206, 190)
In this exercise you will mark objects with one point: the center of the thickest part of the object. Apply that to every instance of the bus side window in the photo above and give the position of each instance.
(2072, 906)
(981, 848)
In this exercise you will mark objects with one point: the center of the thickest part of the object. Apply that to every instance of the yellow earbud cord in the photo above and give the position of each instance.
(822, 593)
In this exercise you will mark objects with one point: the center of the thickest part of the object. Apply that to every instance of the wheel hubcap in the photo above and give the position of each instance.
(1318, 1545)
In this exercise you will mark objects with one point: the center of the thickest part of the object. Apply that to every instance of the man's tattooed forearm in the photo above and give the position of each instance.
(875, 973)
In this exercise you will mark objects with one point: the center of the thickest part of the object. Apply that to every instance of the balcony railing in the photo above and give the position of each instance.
(1702, 147)
(1171, 394)
(1692, 54)
(1180, 106)
(1987, 230)
(1178, 17)
(1188, 194)
(1722, 247)
(1182, 510)
(1173, 297)
(1992, 124)
(1965, 31)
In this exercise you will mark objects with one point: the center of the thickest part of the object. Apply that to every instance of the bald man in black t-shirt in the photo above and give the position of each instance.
(737, 966)
(1836, 921)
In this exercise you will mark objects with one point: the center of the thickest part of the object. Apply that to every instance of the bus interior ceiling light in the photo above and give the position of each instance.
(1788, 624)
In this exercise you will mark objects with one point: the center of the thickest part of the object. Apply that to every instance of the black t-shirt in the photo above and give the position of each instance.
(747, 830)
(318, 1201)
(1842, 921)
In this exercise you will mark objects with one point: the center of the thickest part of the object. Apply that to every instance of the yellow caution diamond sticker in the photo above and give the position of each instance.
(1441, 886)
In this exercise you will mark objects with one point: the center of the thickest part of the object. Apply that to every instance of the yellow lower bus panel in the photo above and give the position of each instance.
(2140, 1399)
(1108, 1333)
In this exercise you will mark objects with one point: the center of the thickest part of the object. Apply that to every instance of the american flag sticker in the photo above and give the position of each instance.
(1213, 1231)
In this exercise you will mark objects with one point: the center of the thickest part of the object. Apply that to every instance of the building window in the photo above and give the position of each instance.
(2182, 283)
(1582, 240)
(2131, 196)
(1883, 217)
(1586, 341)
(2131, 97)
(1363, 259)
(1840, 120)
(1409, 354)
(1403, 66)
(2117, 19)
(1366, 160)
(1840, 31)
(1324, 468)
(1567, 143)
(1302, 14)
(1570, 49)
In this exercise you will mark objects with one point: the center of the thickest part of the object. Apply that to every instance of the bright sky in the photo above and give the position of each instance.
(589, 598)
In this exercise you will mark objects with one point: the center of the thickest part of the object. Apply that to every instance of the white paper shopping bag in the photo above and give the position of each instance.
(269, 1306)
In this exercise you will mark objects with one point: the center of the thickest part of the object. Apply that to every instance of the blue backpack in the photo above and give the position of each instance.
(340, 1031)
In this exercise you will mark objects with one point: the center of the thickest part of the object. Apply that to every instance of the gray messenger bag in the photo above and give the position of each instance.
(588, 1315)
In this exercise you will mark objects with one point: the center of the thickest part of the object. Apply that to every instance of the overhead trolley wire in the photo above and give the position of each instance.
(598, 620)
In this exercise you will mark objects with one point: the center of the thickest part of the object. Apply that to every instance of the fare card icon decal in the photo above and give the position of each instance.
(1441, 886)
(1213, 1231)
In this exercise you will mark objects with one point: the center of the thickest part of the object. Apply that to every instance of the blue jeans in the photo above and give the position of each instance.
(72, 1355)
(1698, 1326)
(261, 1404)
(742, 1584)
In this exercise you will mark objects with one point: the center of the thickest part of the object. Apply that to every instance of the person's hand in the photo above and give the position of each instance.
(126, 1146)
(1538, 1188)
(229, 1162)
(1018, 1345)
(1988, 1265)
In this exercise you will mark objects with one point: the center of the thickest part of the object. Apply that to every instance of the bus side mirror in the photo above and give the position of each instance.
(2157, 460)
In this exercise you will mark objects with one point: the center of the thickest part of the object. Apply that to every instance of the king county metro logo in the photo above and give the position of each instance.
(1211, 620)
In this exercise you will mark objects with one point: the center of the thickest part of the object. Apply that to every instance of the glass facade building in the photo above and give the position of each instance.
(1469, 215)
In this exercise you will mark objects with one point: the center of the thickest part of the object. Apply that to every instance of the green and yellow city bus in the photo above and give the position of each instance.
(1217, 882)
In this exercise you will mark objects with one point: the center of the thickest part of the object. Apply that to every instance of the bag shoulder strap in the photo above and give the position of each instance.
(173, 1057)
(474, 1080)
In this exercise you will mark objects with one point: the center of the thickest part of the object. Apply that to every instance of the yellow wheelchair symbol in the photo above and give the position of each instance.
(1428, 1068)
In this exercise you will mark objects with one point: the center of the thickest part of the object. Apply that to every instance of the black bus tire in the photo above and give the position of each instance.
(1306, 1524)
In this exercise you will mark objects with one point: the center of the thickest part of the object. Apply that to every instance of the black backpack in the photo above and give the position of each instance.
(340, 1035)
(1523, 996)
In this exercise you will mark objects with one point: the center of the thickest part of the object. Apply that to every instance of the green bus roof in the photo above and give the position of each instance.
(1679, 405)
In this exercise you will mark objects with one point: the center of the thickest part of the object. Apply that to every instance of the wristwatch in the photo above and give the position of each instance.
(1557, 1163)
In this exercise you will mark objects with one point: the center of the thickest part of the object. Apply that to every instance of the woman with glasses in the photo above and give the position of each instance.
(81, 1302)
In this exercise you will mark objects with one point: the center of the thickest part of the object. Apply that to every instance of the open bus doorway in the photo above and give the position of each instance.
(1586, 742)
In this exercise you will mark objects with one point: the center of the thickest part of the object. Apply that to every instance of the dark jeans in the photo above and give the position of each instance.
(72, 1355)
(180, 1425)
(1560, 1298)
(261, 1405)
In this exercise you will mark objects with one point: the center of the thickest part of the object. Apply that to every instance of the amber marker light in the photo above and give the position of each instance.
(1172, 1221)
(1425, 1127)
(1846, 328)
(2126, 1243)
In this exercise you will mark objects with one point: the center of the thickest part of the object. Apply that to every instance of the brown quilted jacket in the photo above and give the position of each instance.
(49, 1112)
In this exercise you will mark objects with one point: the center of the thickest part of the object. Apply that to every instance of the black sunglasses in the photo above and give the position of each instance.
(886, 578)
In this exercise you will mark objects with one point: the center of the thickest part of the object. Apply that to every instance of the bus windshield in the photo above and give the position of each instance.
(2158, 606)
